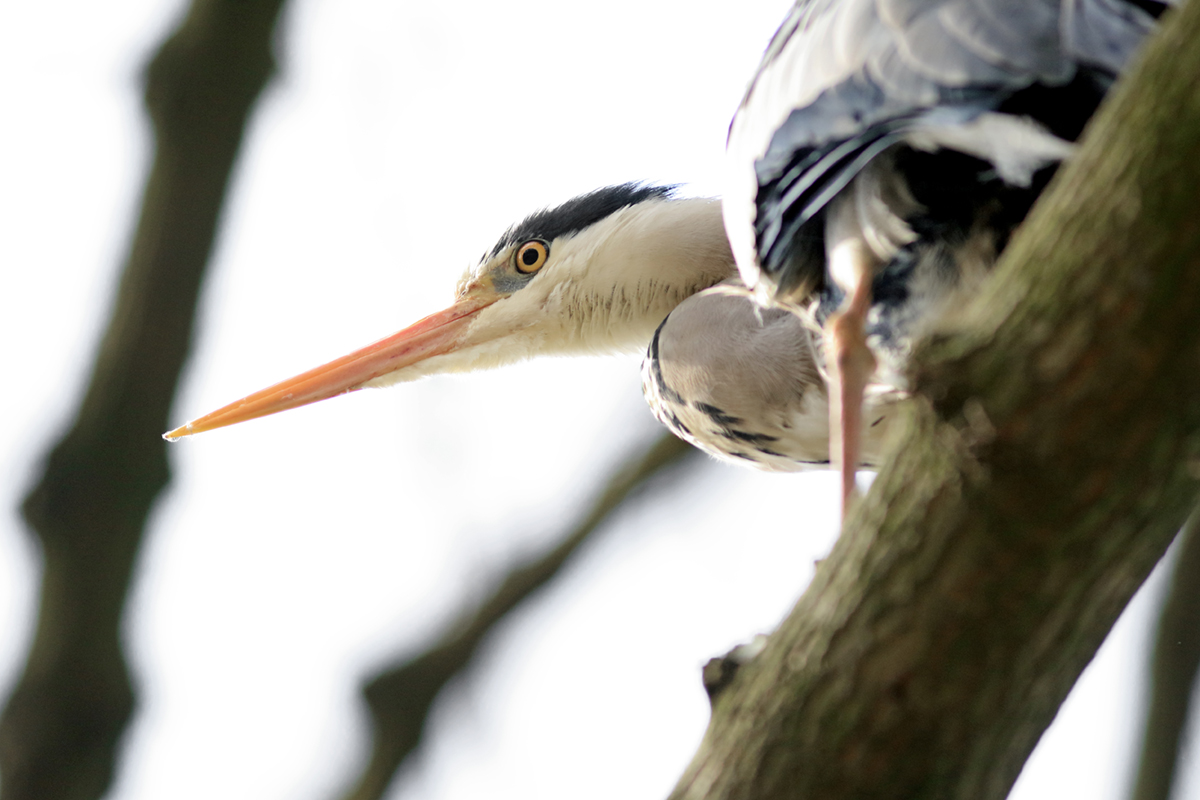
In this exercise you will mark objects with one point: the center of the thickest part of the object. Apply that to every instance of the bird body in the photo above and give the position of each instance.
(843, 82)
(886, 150)
(741, 382)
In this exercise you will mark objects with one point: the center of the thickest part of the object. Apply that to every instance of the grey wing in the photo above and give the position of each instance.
(843, 80)
(1105, 33)
(741, 383)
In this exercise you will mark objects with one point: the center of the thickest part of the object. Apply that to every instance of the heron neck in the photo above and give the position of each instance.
(636, 266)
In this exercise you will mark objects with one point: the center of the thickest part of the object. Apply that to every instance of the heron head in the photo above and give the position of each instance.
(596, 274)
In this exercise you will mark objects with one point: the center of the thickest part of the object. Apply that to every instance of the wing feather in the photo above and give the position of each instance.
(843, 79)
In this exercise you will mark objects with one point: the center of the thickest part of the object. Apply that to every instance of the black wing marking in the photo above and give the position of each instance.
(960, 58)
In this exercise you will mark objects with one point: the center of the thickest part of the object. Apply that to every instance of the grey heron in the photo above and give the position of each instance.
(609, 271)
(606, 271)
(883, 154)
(886, 150)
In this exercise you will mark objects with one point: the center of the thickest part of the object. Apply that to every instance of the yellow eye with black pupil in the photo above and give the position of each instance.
(531, 257)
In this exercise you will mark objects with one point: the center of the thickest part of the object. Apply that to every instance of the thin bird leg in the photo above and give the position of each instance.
(850, 362)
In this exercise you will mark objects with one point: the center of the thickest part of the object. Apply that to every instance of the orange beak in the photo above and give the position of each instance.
(435, 335)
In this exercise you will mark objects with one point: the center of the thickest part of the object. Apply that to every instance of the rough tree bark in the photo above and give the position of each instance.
(61, 726)
(1051, 457)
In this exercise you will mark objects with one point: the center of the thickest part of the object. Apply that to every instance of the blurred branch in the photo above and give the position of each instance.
(400, 698)
(61, 726)
(1050, 459)
(1173, 675)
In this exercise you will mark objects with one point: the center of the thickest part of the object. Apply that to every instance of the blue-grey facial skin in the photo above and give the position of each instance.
(508, 280)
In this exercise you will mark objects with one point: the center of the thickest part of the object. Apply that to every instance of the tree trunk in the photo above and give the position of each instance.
(1053, 452)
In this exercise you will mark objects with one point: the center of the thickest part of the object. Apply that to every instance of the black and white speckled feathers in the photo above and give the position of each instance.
(741, 383)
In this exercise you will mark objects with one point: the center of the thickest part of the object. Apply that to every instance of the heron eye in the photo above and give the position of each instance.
(531, 257)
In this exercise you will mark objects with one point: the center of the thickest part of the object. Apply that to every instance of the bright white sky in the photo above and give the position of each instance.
(295, 554)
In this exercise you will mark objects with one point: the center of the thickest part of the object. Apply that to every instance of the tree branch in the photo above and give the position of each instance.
(60, 728)
(1049, 461)
(400, 697)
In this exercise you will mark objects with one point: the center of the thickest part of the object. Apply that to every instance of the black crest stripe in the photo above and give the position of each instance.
(577, 214)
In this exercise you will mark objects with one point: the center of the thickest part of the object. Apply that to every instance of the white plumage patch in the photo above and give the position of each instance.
(1016, 146)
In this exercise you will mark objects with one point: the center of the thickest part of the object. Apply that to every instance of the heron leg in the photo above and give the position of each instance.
(850, 363)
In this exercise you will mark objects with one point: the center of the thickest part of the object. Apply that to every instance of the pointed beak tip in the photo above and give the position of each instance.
(434, 335)
(178, 433)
